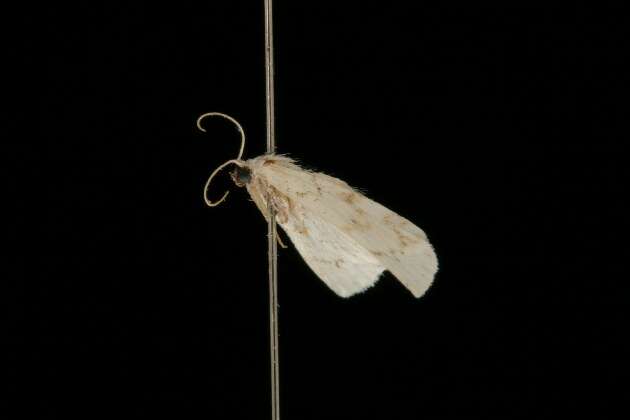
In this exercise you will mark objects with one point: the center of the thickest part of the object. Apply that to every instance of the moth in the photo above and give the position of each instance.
(347, 239)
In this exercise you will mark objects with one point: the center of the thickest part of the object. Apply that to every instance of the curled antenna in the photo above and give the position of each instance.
(227, 117)
(216, 171)
(236, 161)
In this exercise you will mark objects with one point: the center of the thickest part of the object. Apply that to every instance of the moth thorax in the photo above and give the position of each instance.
(241, 175)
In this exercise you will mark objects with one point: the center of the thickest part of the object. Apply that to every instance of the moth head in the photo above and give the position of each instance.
(241, 175)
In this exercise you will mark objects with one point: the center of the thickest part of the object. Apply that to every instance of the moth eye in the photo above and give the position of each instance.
(242, 176)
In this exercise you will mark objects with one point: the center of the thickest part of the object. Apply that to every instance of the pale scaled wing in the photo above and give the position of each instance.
(345, 266)
(320, 203)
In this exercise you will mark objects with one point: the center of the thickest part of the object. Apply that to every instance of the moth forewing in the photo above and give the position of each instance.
(347, 239)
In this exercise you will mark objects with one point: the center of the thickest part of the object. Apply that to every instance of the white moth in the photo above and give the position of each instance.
(347, 239)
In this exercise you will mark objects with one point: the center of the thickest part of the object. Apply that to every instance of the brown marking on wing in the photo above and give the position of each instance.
(268, 161)
(357, 225)
(392, 253)
(404, 239)
(338, 262)
(319, 188)
(348, 197)
(352, 198)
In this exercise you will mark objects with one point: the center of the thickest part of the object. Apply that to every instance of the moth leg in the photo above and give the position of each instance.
(280, 204)
(282, 245)
(256, 191)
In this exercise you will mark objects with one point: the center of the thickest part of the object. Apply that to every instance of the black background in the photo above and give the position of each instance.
(497, 130)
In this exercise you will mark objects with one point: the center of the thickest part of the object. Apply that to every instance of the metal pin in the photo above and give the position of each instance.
(271, 232)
